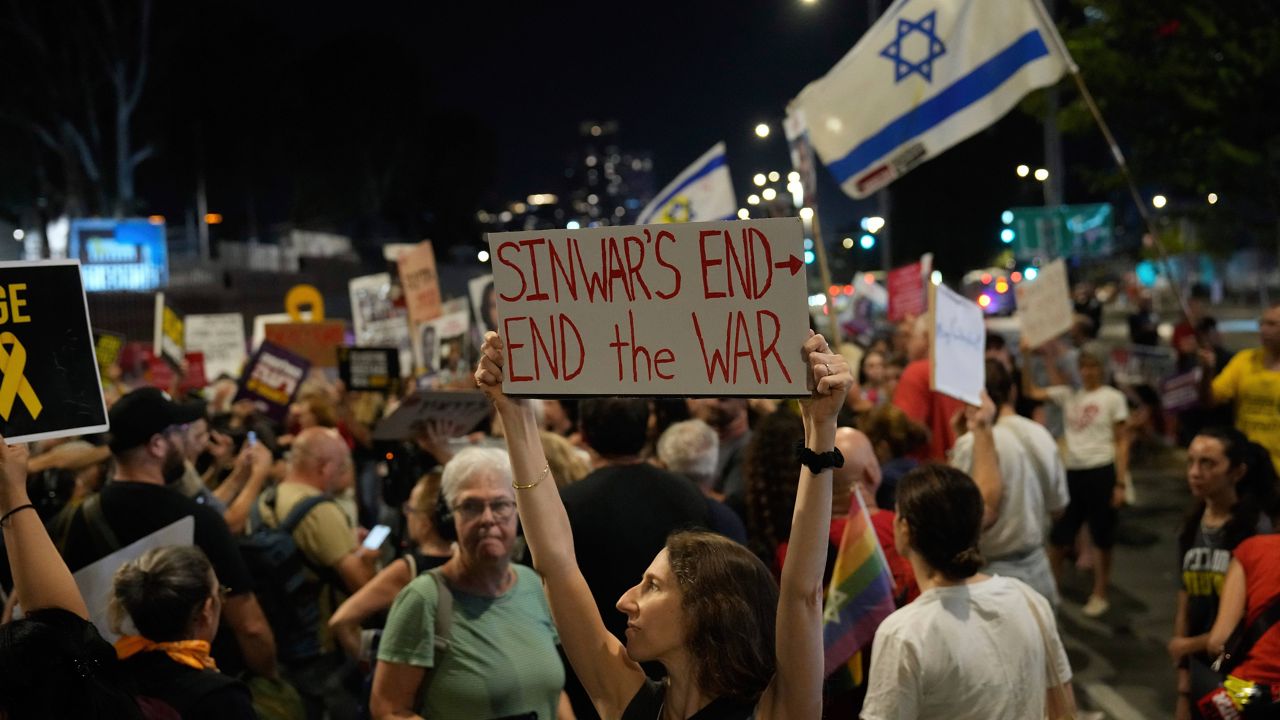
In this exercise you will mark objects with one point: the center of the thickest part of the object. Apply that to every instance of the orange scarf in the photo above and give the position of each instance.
(192, 653)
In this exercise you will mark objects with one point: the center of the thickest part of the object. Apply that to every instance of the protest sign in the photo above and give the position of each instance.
(1141, 365)
(464, 410)
(417, 269)
(50, 385)
(220, 338)
(368, 369)
(441, 344)
(318, 342)
(957, 341)
(1044, 305)
(169, 334)
(907, 295)
(484, 303)
(1181, 392)
(194, 373)
(687, 309)
(106, 348)
(377, 320)
(260, 323)
(96, 580)
(271, 379)
(158, 372)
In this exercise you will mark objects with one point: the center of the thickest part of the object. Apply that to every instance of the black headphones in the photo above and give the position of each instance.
(442, 518)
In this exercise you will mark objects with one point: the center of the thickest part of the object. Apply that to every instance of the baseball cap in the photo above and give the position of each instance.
(146, 412)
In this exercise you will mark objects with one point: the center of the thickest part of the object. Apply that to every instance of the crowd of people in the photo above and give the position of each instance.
(628, 557)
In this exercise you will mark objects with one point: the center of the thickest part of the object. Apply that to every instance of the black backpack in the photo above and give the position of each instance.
(289, 600)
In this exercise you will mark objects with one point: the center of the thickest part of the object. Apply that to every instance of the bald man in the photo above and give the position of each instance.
(319, 466)
(861, 474)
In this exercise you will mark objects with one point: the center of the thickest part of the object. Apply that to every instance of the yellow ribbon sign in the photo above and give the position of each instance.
(15, 385)
(301, 296)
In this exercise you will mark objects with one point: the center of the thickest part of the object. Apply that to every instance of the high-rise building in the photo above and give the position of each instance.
(606, 184)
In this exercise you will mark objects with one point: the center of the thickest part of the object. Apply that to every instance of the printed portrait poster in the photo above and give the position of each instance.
(421, 285)
(377, 320)
(441, 345)
(689, 309)
(272, 378)
(484, 304)
(50, 384)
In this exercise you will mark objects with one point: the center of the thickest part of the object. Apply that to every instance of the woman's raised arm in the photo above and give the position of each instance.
(607, 673)
(796, 690)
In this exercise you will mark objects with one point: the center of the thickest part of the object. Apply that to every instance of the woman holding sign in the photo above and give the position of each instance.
(734, 644)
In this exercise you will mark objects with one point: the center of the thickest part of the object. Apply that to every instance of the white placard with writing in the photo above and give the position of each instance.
(682, 309)
(1044, 304)
(221, 338)
(958, 338)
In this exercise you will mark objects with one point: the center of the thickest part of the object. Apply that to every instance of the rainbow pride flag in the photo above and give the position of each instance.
(859, 598)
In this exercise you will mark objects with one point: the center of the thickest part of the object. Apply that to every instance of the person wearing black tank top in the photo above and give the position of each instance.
(734, 644)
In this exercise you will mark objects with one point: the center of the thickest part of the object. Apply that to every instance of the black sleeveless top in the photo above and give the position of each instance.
(648, 703)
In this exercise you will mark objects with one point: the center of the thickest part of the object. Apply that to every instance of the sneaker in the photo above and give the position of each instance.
(1096, 607)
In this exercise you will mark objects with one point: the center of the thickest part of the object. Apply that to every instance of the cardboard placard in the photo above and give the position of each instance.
(220, 338)
(1141, 365)
(1181, 392)
(158, 372)
(318, 342)
(50, 384)
(169, 333)
(417, 269)
(377, 320)
(272, 378)
(466, 409)
(441, 345)
(1044, 305)
(368, 369)
(484, 303)
(106, 348)
(260, 323)
(689, 309)
(957, 343)
(907, 290)
(194, 374)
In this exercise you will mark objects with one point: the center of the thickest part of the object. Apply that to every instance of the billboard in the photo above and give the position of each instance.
(118, 255)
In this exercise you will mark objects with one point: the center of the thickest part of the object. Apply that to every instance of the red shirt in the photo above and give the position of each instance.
(905, 588)
(1260, 558)
(1182, 331)
(932, 409)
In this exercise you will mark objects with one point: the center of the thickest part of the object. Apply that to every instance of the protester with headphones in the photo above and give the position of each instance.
(433, 663)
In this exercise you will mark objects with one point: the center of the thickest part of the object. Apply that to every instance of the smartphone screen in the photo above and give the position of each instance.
(377, 536)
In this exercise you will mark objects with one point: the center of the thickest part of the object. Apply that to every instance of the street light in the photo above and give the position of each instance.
(867, 241)
(806, 213)
(1006, 217)
(1159, 201)
(1042, 174)
(762, 130)
(769, 194)
(793, 176)
(483, 256)
(847, 243)
(19, 234)
(753, 199)
(1006, 235)
(758, 179)
(935, 277)
(1213, 198)
(1023, 171)
(572, 225)
(743, 214)
(872, 224)
(774, 176)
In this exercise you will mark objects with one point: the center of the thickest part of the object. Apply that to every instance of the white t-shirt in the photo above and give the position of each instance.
(967, 652)
(1090, 423)
(1034, 484)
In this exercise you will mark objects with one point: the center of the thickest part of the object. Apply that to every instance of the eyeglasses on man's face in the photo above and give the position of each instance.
(471, 509)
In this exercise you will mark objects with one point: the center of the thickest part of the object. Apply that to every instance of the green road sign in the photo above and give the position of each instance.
(1047, 233)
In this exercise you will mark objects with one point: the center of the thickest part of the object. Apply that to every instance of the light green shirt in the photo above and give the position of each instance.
(502, 659)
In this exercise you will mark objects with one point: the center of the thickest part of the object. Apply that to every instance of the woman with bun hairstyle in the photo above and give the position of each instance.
(972, 645)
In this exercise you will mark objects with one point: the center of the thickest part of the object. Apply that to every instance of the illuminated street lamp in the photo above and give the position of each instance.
(1023, 171)
(1042, 174)
(758, 179)
(1213, 198)
(1159, 201)
(762, 130)
(769, 194)
(743, 214)
(753, 199)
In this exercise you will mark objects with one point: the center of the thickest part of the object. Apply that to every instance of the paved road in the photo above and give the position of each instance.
(1120, 663)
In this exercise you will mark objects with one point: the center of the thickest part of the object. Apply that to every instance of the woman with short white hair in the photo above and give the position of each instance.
(499, 617)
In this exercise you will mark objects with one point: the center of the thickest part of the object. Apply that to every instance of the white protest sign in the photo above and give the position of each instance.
(221, 338)
(684, 309)
(957, 341)
(1044, 304)
(376, 320)
(95, 580)
(260, 323)
(441, 344)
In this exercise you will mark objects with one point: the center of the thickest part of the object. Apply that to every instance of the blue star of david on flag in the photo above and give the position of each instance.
(903, 66)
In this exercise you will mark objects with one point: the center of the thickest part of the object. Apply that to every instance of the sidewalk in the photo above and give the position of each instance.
(1120, 663)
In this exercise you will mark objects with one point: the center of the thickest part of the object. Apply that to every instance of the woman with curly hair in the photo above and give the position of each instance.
(769, 473)
(734, 644)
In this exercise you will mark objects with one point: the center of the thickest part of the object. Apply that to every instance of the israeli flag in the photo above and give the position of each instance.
(927, 75)
(701, 193)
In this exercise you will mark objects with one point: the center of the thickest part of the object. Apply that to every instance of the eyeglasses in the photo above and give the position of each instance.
(471, 509)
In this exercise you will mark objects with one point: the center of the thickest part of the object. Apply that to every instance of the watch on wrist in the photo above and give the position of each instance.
(816, 461)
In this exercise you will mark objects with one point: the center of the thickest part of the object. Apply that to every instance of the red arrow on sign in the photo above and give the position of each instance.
(794, 264)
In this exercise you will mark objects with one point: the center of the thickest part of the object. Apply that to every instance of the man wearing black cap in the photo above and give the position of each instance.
(146, 430)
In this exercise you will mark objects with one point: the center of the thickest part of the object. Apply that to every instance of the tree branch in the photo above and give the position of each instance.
(144, 28)
(146, 152)
(86, 154)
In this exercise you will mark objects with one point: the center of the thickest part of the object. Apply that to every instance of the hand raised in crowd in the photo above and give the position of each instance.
(433, 437)
(829, 379)
(489, 373)
(14, 483)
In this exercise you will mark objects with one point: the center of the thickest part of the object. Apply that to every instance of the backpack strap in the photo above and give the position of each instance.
(299, 512)
(1243, 640)
(94, 518)
(444, 611)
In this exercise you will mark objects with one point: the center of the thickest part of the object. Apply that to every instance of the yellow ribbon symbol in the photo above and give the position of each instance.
(304, 296)
(15, 384)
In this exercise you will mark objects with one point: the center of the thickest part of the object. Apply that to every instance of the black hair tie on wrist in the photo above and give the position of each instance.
(816, 461)
(5, 518)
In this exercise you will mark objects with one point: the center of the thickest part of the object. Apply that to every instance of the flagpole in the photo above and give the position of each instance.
(1116, 154)
(820, 249)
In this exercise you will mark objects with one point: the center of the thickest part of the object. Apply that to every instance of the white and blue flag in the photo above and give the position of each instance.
(927, 75)
(702, 193)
